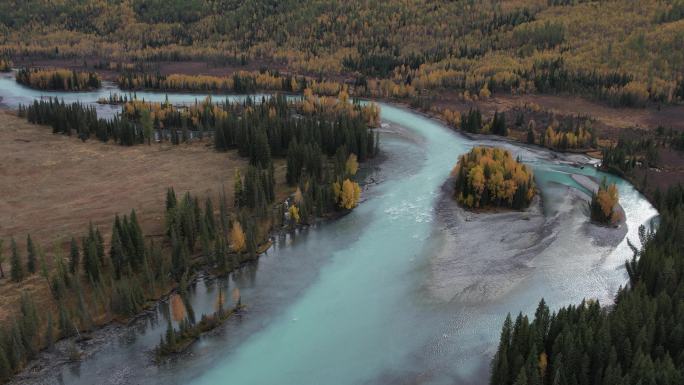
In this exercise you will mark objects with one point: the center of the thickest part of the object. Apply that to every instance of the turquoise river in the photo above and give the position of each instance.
(400, 291)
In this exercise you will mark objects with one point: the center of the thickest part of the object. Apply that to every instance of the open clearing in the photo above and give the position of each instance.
(53, 185)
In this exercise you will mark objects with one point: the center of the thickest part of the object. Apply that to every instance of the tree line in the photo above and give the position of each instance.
(81, 120)
(58, 79)
(239, 82)
(96, 281)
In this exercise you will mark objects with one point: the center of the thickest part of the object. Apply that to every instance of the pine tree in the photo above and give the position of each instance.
(74, 256)
(66, 327)
(137, 239)
(5, 368)
(44, 272)
(49, 332)
(522, 378)
(99, 241)
(17, 271)
(31, 255)
(116, 254)
(2, 258)
(90, 259)
(209, 218)
(499, 124)
(147, 125)
(171, 201)
(239, 199)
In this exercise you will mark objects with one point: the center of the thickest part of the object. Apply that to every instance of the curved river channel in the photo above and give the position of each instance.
(406, 289)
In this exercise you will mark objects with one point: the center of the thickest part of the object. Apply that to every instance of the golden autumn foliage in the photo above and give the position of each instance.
(294, 213)
(348, 195)
(491, 177)
(58, 79)
(159, 112)
(299, 197)
(453, 118)
(352, 165)
(178, 311)
(239, 81)
(560, 140)
(238, 240)
(477, 46)
(604, 203)
(312, 103)
(543, 364)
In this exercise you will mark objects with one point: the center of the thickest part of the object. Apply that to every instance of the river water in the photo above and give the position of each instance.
(396, 292)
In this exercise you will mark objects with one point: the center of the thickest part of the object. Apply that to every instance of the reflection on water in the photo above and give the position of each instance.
(345, 302)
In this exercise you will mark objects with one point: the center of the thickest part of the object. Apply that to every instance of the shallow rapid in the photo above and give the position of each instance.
(394, 292)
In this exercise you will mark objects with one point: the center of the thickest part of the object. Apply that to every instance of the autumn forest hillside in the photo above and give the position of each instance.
(625, 52)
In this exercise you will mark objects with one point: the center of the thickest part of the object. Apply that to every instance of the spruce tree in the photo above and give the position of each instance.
(31, 255)
(2, 258)
(5, 368)
(99, 242)
(17, 271)
(238, 193)
(137, 240)
(209, 218)
(116, 254)
(74, 256)
(90, 260)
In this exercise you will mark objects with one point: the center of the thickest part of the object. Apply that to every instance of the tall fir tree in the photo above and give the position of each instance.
(17, 271)
(74, 256)
(30, 255)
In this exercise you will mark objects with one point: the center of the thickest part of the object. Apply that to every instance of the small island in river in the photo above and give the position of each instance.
(490, 177)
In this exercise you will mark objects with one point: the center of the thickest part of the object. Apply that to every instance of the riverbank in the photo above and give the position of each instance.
(62, 355)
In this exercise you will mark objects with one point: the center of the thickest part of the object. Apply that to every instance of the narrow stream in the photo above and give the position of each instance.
(407, 289)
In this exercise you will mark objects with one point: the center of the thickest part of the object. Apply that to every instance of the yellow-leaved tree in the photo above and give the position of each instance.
(352, 165)
(238, 240)
(604, 202)
(294, 213)
(349, 194)
(178, 311)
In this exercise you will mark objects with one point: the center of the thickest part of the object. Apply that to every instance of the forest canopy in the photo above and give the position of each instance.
(625, 52)
(639, 340)
(490, 177)
(58, 79)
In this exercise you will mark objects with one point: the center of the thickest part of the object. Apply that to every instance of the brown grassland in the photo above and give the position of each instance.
(53, 185)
